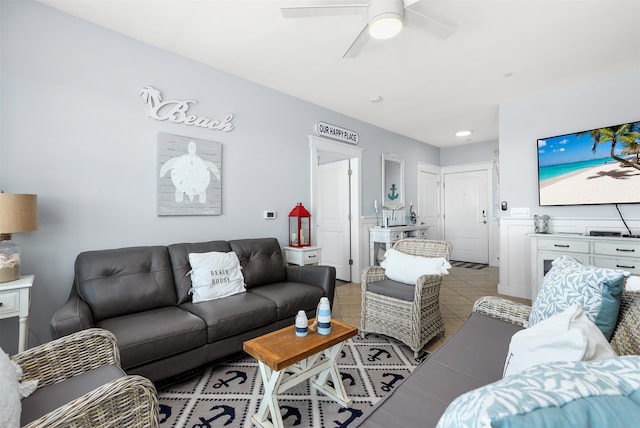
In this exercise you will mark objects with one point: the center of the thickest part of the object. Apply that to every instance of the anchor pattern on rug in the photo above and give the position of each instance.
(226, 395)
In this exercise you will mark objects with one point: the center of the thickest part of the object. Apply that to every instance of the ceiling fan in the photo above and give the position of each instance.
(385, 19)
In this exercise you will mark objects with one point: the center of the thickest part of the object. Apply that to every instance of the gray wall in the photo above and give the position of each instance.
(469, 153)
(584, 106)
(75, 131)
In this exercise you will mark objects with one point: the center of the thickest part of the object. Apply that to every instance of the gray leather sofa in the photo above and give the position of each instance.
(141, 295)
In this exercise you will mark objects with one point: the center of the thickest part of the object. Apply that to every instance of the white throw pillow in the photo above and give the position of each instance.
(10, 407)
(567, 336)
(215, 275)
(407, 268)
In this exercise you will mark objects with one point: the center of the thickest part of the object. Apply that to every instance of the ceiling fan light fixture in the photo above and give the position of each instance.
(385, 26)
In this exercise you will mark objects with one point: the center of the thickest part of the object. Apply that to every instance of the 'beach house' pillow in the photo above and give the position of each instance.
(597, 290)
(567, 336)
(407, 268)
(215, 275)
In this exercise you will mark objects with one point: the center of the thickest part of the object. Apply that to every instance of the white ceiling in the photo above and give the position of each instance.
(502, 50)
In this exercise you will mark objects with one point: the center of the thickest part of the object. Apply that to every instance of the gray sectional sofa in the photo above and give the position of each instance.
(474, 357)
(141, 295)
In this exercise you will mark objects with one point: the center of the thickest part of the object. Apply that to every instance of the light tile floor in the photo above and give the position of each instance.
(459, 291)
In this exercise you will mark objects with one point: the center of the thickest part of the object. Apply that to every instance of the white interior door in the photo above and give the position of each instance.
(333, 217)
(466, 214)
(428, 208)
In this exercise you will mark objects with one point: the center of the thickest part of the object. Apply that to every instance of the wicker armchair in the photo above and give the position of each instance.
(626, 336)
(413, 322)
(129, 401)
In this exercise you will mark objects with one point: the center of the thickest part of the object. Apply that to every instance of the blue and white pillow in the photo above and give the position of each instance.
(604, 393)
(597, 290)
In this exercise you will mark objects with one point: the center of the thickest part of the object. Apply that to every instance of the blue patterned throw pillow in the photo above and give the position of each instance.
(603, 394)
(597, 290)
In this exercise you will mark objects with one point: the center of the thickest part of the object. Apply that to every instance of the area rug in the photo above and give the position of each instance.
(226, 395)
(468, 265)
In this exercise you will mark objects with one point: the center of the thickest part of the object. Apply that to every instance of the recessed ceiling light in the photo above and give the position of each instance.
(464, 133)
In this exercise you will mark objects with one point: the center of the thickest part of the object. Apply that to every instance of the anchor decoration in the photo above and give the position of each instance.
(165, 411)
(393, 195)
(355, 413)
(344, 376)
(377, 354)
(226, 411)
(388, 386)
(225, 382)
(287, 411)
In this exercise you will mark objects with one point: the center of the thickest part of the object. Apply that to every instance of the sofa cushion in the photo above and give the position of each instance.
(597, 290)
(290, 297)
(567, 336)
(234, 314)
(51, 397)
(261, 260)
(550, 394)
(179, 256)
(215, 275)
(125, 280)
(151, 335)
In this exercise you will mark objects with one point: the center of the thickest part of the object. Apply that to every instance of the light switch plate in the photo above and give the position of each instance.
(520, 212)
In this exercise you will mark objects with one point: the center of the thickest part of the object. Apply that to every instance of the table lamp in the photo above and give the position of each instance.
(18, 213)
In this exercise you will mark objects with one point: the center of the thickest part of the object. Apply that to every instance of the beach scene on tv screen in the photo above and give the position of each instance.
(598, 166)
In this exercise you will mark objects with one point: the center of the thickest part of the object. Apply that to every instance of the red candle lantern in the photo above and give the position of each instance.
(299, 227)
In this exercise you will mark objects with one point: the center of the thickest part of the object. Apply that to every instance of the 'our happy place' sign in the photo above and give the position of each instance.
(332, 131)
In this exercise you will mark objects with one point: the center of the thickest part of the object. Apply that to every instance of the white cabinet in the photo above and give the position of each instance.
(601, 251)
(385, 237)
(15, 301)
(302, 256)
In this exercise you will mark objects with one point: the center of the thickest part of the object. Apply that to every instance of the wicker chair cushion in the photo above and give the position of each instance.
(391, 288)
(407, 268)
(55, 396)
(597, 290)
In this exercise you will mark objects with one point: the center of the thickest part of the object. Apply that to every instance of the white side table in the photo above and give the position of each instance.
(15, 299)
(302, 256)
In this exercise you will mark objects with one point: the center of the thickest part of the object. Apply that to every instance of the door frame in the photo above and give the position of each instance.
(437, 170)
(492, 219)
(319, 144)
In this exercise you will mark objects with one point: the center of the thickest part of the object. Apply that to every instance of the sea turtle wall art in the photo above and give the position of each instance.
(189, 176)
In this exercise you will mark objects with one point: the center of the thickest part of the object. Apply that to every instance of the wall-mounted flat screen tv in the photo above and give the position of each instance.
(596, 166)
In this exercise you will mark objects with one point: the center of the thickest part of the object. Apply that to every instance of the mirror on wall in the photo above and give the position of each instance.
(392, 181)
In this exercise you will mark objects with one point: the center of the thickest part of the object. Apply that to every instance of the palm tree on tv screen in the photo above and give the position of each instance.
(627, 134)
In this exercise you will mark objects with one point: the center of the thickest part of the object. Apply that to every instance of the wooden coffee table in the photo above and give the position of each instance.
(282, 350)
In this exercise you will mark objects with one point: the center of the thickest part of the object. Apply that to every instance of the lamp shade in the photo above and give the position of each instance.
(18, 213)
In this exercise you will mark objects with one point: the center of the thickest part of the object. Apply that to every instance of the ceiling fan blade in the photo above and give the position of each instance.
(437, 28)
(324, 10)
(358, 43)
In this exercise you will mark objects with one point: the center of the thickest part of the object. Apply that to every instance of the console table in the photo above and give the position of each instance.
(15, 299)
(601, 251)
(387, 236)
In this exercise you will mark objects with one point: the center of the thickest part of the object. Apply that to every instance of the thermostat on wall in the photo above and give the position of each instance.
(269, 215)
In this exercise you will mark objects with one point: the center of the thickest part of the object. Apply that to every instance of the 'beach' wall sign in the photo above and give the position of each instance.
(177, 111)
(332, 131)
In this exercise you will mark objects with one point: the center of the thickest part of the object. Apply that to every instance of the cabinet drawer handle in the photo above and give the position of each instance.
(312, 256)
(561, 246)
(625, 267)
(1, 304)
(628, 250)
